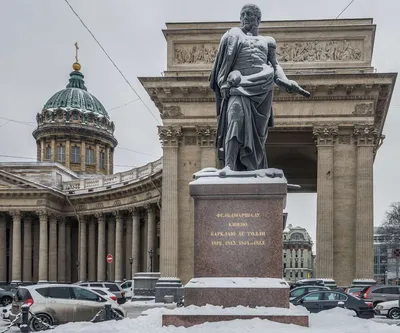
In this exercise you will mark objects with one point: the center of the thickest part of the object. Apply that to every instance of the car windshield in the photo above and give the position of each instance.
(111, 286)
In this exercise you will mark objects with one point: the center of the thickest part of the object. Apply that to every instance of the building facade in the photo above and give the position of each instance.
(298, 258)
(70, 208)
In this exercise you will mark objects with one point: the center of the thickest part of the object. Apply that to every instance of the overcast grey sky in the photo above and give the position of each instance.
(37, 51)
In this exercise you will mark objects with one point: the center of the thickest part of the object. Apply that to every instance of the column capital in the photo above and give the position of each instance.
(150, 208)
(100, 217)
(15, 213)
(134, 211)
(42, 214)
(83, 218)
(27, 216)
(366, 135)
(117, 214)
(61, 219)
(206, 135)
(325, 135)
(170, 135)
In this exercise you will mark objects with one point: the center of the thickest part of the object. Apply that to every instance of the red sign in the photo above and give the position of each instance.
(109, 258)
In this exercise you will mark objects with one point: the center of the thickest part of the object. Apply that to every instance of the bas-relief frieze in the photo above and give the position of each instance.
(363, 109)
(312, 51)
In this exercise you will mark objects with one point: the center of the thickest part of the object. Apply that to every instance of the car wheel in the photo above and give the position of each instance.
(37, 326)
(394, 313)
(6, 300)
(115, 316)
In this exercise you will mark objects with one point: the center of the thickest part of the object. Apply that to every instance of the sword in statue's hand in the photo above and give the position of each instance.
(289, 88)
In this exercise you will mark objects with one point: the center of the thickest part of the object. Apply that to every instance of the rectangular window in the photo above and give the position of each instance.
(102, 160)
(61, 154)
(89, 156)
(76, 154)
(48, 153)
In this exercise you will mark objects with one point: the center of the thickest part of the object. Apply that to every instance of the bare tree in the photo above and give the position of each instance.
(390, 227)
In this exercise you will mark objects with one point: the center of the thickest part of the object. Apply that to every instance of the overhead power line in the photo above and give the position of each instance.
(112, 61)
(135, 151)
(121, 106)
(27, 123)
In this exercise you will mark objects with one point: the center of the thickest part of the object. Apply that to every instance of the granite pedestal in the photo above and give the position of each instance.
(237, 249)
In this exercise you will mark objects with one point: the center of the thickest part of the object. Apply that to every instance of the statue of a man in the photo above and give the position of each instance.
(243, 76)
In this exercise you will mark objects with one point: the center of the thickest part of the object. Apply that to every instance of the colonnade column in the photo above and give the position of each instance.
(108, 160)
(83, 156)
(53, 149)
(111, 247)
(53, 249)
(206, 139)
(118, 246)
(128, 247)
(92, 250)
(16, 275)
(68, 153)
(97, 157)
(43, 248)
(3, 249)
(135, 240)
(62, 263)
(68, 253)
(366, 139)
(101, 248)
(325, 141)
(151, 237)
(82, 249)
(27, 267)
(170, 137)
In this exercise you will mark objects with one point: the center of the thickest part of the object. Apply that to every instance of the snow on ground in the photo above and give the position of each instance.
(333, 321)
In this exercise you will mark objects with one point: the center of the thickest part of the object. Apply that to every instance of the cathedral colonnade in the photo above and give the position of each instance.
(42, 246)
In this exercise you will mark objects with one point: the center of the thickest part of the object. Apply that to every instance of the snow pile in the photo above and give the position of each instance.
(237, 282)
(333, 321)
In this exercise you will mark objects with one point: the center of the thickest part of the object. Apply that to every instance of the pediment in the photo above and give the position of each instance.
(8, 181)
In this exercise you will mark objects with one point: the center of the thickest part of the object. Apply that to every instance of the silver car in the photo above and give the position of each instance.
(56, 304)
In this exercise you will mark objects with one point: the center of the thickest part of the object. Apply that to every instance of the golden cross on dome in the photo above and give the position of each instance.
(76, 51)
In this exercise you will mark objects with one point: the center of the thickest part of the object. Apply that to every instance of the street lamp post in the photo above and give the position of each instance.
(151, 253)
(131, 262)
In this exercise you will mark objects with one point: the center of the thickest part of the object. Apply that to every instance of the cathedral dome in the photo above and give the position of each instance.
(76, 97)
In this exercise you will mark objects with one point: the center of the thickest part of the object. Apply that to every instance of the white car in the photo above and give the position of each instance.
(128, 286)
(105, 292)
(389, 309)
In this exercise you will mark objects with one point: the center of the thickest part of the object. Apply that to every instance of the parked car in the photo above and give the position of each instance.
(380, 293)
(128, 286)
(104, 292)
(6, 297)
(307, 282)
(389, 309)
(353, 291)
(56, 304)
(316, 301)
(114, 287)
(300, 291)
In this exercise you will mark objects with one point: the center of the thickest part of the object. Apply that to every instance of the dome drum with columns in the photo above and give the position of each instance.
(75, 130)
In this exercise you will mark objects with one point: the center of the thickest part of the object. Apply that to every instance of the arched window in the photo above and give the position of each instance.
(48, 153)
(61, 154)
(297, 236)
(76, 154)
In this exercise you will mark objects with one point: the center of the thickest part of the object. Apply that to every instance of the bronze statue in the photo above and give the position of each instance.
(243, 76)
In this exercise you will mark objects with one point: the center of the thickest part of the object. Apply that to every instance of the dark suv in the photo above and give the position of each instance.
(380, 293)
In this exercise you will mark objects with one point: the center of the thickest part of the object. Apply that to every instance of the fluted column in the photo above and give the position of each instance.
(151, 237)
(83, 249)
(119, 228)
(135, 240)
(42, 150)
(206, 139)
(53, 150)
(53, 249)
(62, 264)
(36, 250)
(68, 153)
(92, 250)
(43, 248)
(128, 247)
(111, 247)
(366, 139)
(97, 157)
(16, 274)
(108, 164)
(101, 248)
(3, 249)
(68, 253)
(170, 137)
(27, 267)
(325, 141)
(83, 156)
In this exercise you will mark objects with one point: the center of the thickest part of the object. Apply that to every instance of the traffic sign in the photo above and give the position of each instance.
(396, 253)
(109, 258)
